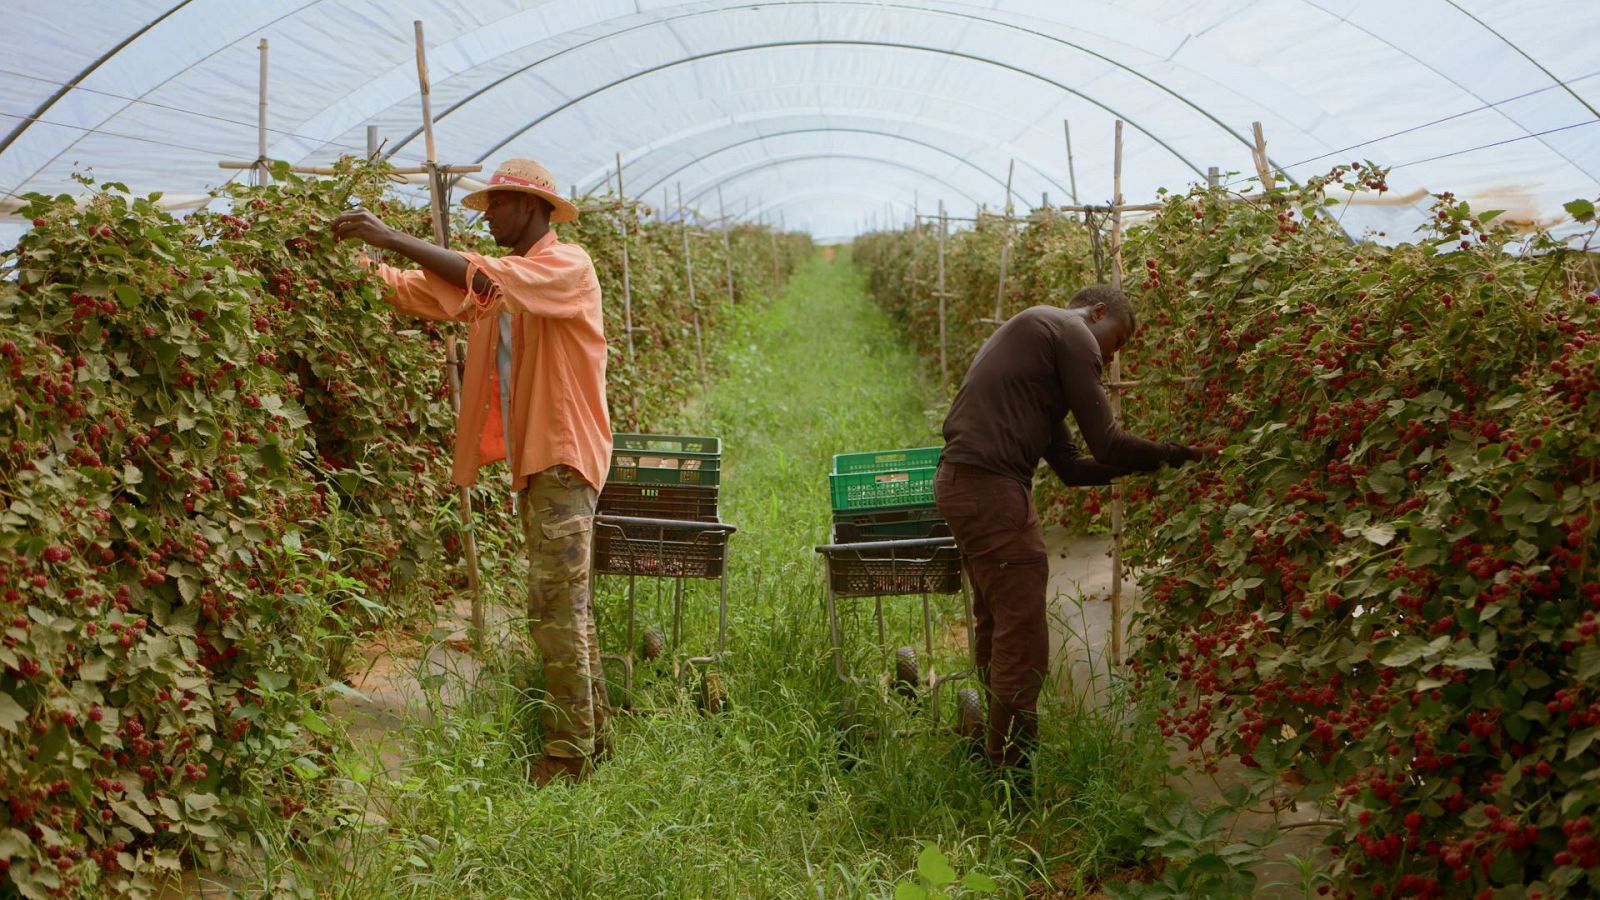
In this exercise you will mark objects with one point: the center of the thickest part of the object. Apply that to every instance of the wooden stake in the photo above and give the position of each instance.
(688, 268)
(1005, 253)
(1116, 405)
(469, 539)
(331, 170)
(727, 247)
(944, 358)
(263, 174)
(777, 273)
(1072, 170)
(625, 216)
(1263, 165)
(627, 277)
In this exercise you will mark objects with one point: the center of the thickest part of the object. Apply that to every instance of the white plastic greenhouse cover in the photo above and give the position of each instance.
(832, 115)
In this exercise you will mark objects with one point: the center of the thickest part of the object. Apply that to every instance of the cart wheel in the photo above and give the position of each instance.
(969, 714)
(652, 645)
(906, 677)
(713, 697)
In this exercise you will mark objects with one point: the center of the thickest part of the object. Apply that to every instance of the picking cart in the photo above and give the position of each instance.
(657, 518)
(888, 540)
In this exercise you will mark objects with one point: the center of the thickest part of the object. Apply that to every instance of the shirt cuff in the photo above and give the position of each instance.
(480, 304)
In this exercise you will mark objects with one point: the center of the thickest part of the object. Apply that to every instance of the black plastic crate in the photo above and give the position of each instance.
(886, 570)
(918, 521)
(660, 551)
(659, 501)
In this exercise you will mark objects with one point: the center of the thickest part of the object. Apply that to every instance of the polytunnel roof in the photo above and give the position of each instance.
(831, 115)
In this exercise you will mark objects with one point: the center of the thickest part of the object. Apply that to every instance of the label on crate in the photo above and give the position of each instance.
(892, 477)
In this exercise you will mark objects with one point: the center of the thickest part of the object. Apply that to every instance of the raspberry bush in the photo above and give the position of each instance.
(223, 459)
(1386, 583)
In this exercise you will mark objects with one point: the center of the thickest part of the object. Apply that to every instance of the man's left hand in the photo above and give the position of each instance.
(358, 224)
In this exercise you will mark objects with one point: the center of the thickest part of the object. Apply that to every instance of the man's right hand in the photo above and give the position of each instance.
(1178, 454)
(358, 224)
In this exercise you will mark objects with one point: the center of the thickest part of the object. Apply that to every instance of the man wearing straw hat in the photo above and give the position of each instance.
(534, 394)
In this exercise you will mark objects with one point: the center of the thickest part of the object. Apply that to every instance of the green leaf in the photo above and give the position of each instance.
(934, 868)
(1403, 656)
(980, 883)
(133, 817)
(11, 712)
(1588, 663)
(348, 691)
(94, 670)
(305, 768)
(1380, 534)
(200, 802)
(132, 474)
(1582, 210)
(188, 588)
(1472, 659)
(908, 891)
(1578, 743)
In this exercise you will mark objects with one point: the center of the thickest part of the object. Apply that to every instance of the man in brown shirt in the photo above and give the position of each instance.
(1042, 364)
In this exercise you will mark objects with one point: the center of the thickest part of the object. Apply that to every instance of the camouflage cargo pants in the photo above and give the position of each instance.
(557, 512)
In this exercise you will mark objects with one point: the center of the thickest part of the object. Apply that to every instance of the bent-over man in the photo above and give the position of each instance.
(534, 394)
(1042, 364)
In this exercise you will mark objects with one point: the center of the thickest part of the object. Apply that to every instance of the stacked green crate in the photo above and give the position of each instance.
(885, 493)
(666, 459)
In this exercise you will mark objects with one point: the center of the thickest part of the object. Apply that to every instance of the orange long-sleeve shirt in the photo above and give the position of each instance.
(558, 362)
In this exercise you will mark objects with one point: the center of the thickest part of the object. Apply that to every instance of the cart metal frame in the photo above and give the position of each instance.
(715, 536)
(920, 565)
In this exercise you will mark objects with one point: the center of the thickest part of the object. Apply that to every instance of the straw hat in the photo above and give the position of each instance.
(528, 177)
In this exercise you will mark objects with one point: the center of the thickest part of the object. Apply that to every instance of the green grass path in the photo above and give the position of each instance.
(754, 802)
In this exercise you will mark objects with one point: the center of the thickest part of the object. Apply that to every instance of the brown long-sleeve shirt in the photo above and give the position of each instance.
(1010, 412)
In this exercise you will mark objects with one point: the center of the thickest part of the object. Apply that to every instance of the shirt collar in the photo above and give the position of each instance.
(543, 243)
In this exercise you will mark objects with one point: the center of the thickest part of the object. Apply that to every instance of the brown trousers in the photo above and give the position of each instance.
(1002, 551)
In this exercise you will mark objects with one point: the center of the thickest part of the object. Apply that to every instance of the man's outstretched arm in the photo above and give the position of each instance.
(1073, 468)
(358, 224)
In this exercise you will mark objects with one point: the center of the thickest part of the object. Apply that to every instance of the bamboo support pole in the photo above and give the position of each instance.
(469, 539)
(1072, 170)
(626, 214)
(727, 245)
(1263, 164)
(777, 273)
(688, 268)
(627, 274)
(263, 174)
(372, 142)
(1005, 254)
(1106, 210)
(331, 170)
(944, 357)
(1116, 405)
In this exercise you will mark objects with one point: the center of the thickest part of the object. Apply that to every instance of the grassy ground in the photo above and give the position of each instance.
(758, 801)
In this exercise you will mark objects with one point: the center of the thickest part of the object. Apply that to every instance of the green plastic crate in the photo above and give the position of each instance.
(871, 490)
(666, 443)
(886, 460)
(666, 459)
